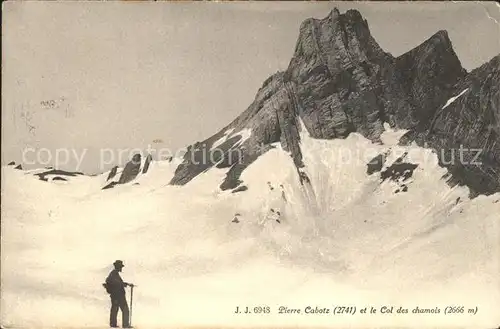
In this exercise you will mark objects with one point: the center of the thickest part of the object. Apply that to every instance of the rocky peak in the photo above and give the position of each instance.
(339, 40)
(429, 73)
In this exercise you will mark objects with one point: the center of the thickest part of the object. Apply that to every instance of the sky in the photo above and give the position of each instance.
(87, 84)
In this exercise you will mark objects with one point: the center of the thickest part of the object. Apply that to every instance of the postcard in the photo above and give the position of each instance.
(250, 164)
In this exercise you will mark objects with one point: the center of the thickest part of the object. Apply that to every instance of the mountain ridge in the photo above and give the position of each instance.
(339, 81)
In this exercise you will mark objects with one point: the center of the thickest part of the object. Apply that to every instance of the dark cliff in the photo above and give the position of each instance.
(466, 131)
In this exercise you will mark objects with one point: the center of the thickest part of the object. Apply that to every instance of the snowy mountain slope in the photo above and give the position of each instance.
(347, 232)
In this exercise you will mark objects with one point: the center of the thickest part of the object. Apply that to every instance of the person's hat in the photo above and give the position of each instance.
(118, 263)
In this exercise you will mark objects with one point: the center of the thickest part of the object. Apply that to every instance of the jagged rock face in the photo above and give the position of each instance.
(429, 73)
(335, 68)
(347, 83)
(131, 170)
(338, 81)
(466, 133)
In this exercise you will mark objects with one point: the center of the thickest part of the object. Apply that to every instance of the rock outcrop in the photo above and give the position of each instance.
(149, 158)
(112, 173)
(13, 163)
(340, 81)
(131, 170)
(58, 173)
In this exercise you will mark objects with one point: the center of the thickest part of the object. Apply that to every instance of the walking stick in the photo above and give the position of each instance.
(131, 304)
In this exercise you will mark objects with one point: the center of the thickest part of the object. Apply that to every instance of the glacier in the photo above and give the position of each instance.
(344, 238)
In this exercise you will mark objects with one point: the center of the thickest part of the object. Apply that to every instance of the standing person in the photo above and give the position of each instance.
(115, 286)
